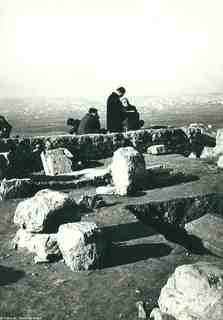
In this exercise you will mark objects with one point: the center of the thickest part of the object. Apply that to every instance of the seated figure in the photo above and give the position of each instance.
(90, 123)
(131, 118)
(73, 124)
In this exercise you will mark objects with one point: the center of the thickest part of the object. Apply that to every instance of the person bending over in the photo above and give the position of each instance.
(115, 112)
(90, 122)
(131, 116)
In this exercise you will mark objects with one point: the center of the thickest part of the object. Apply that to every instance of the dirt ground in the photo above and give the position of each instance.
(135, 268)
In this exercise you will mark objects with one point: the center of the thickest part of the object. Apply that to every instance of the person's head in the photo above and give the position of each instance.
(93, 112)
(121, 91)
(70, 122)
(125, 102)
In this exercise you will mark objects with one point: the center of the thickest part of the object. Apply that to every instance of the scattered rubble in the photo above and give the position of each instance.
(16, 188)
(88, 203)
(157, 149)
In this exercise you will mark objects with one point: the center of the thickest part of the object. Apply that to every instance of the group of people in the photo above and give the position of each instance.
(121, 116)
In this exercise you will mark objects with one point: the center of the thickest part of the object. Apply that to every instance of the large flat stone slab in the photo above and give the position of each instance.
(209, 229)
(177, 212)
(56, 161)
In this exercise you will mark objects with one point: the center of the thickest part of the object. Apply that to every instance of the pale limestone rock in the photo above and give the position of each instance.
(157, 149)
(16, 188)
(81, 244)
(220, 162)
(46, 211)
(192, 155)
(43, 245)
(128, 170)
(208, 153)
(209, 229)
(219, 138)
(156, 314)
(194, 292)
(141, 310)
(57, 161)
(107, 190)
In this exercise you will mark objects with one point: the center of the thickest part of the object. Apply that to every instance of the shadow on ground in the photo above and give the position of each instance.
(10, 275)
(127, 231)
(120, 254)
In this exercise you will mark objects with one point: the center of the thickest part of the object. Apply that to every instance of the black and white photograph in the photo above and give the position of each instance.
(111, 160)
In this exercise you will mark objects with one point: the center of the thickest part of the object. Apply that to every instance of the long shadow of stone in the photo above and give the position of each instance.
(125, 254)
(167, 180)
(180, 236)
(9, 275)
(127, 231)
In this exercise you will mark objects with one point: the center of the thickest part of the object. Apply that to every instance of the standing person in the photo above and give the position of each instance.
(5, 128)
(115, 113)
(90, 123)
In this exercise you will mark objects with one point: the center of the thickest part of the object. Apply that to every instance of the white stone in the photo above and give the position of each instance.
(107, 190)
(194, 292)
(56, 161)
(157, 149)
(43, 245)
(192, 155)
(156, 314)
(128, 170)
(15, 188)
(81, 244)
(219, 138)
(208, 153)
(220, 162)
(46, 211)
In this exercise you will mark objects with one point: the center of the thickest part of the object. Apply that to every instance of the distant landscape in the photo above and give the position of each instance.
(47, 116)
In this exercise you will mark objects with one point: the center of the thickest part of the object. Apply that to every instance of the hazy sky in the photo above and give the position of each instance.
(89, 47)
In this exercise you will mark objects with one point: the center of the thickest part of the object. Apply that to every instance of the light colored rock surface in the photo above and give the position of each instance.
(128, 170)
(81, 244)
(156, 314)
(192, 155)
(208, 153)
(109, 190)
(57, 161)
(15, 188)
(194, 292)
(157, 149)
(219, 138)
(43, 245)
(46, 211)
(220, 162)
(209, 229)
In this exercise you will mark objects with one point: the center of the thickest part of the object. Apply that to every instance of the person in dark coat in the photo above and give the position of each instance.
(5, 128)
(131, 116)
(73, 124)
(115, 113)
(89, 123)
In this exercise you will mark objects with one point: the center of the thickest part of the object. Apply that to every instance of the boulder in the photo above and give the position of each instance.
(157, 149)
(208, 153)
(128, 170)
(43, 245)
(192, 155)
(219, 138)
(57, 161)
(220, 162)
(81, 244)
(46, 211)
(193, 292)
(16, 188)
(209, 229)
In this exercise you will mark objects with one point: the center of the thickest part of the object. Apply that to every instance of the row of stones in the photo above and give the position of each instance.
(50, 228)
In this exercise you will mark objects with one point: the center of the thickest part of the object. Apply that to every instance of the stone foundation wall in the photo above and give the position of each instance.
(98, 146)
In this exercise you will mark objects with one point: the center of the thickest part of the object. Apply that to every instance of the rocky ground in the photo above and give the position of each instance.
(137, 265)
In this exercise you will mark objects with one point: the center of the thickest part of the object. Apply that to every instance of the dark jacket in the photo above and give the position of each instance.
(89, 124)
(115, 113)
(5, 128)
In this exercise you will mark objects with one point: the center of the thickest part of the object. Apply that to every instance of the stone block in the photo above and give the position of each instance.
(44, 246)
(209, 229)
(193, 292)
(46, 211)
(81, 245)
(128, 170)
(157, 149)
(220, 162)
(105, 190)
(57, 161)
(208, 153)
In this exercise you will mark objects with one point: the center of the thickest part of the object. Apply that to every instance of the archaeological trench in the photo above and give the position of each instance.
(114, 226)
